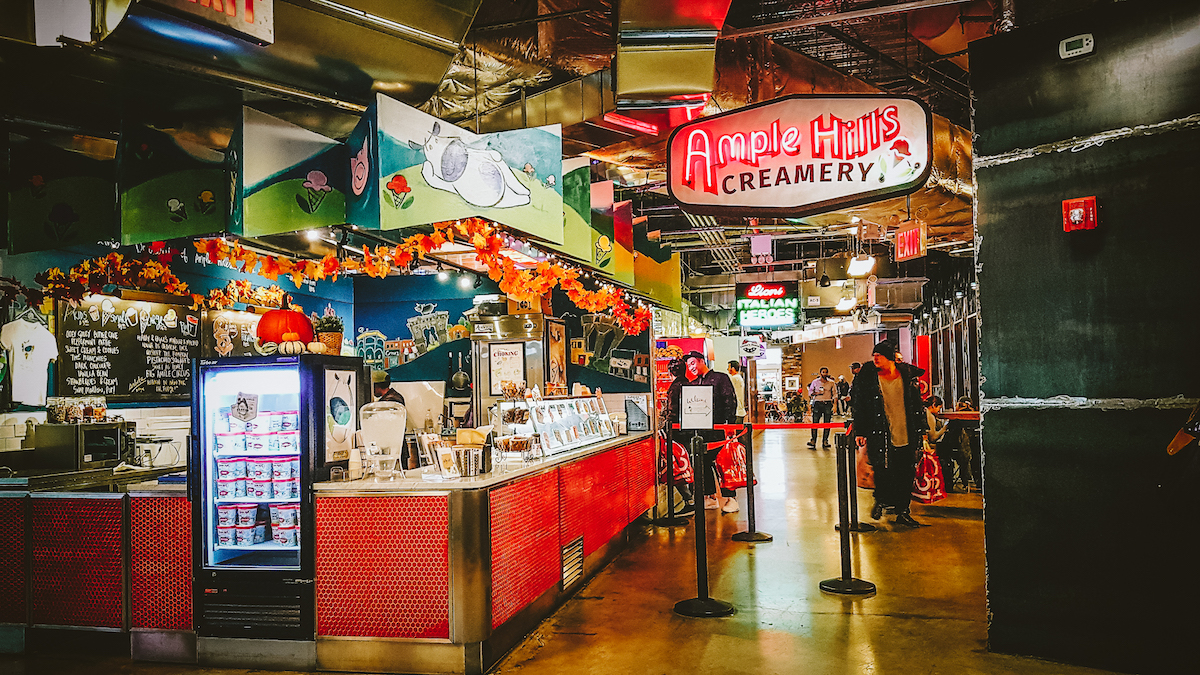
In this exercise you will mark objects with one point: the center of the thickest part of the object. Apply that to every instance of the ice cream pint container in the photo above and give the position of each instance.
(247, 514)
(289, 420)
(282, 488)
(226, 535)
(227, 515)
(281, 468)
(289, 441)
(261, 489)
(285, 535)
(229, 443)
(244, 535)
(258, 468)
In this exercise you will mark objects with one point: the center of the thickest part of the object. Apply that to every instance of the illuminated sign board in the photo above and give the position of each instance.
(251, 19)
(911, 240)
(764, 304)
(801, 155)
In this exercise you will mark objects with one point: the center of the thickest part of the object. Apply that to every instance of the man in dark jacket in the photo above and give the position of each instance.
(889, 420)
(724, 412)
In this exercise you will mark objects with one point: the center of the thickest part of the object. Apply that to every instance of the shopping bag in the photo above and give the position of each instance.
(677, 462)
(928, 485)
(864, 473)
(731, 465)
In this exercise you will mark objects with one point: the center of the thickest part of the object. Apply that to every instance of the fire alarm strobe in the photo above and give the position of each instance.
(1079, 214)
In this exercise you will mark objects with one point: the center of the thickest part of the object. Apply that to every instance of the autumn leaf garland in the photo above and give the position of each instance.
(522, 285)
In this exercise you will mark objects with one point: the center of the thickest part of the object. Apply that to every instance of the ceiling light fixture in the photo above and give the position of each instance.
(478, 281)
(861, 265)
(464, 281)
(312, 235)
(441, 273)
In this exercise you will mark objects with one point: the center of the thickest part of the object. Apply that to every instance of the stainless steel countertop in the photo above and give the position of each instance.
(512, 471)
(42, 480)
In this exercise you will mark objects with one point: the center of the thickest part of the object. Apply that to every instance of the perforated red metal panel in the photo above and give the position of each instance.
(160, 562)
(383, 566)
(12, 560)
(526, 558)
(639, 469)
(593, 500)
(77, 561)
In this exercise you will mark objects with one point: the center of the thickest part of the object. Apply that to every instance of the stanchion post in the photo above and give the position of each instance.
(852, 469)
(671, 520)
(752, 534)
(701, 606)
(845, 584)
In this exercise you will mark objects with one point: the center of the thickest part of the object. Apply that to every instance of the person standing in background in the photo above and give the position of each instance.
(889, 420)
(739, 388)
(843, 395)
(937, 431)
(724, 402)
(821, 391)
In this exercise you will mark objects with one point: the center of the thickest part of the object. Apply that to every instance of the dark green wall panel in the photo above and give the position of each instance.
(1096, 313)
(1079, 541)
(1143, 71)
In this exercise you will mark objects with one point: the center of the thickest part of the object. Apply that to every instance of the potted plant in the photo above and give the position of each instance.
(328, 328)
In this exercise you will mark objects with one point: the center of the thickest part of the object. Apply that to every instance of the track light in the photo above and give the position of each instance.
(312, 235)
(441, 273)
(824, 282)
(478, 280)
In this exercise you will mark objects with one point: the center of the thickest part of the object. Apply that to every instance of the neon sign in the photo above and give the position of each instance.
(801, 155)
(767, 305)
(253, 19)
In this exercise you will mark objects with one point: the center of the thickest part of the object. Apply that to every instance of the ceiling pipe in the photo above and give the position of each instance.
(1008, 15)
(834, 18)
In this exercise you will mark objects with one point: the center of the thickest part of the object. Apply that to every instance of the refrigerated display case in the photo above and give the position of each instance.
(549, 426)
(263, 430)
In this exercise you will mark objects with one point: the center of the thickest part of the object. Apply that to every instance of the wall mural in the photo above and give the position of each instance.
(171, 185)
(58, 196)
(293, 179)
(601, 353)
(409, 168)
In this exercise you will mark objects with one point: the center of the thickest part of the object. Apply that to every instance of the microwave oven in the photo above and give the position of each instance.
(76, 447)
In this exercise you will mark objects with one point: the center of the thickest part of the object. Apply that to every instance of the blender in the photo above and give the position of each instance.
(383, 425)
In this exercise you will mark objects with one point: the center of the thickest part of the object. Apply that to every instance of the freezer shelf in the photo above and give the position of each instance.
(263, 546)
(257, 501)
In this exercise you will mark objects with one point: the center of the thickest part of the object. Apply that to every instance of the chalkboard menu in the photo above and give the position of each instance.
(126, 350)
(229, 333)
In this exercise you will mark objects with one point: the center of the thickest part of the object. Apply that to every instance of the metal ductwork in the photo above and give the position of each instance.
(666, 49)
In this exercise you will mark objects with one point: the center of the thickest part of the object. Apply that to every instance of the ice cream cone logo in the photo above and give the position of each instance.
(316, 188)
(603, 249)
(400, 192)
(360, 167)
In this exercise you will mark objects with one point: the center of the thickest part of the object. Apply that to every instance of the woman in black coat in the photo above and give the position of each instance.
(892, 441)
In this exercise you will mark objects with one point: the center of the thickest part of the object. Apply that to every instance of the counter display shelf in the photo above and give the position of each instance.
(554, 425)
(412, 576)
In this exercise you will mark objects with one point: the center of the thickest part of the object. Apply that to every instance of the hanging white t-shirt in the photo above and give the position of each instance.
(31, 346)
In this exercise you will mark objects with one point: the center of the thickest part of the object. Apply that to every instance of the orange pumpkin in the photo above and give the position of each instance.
(284, 325)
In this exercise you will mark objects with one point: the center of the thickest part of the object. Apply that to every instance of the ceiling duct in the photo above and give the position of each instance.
(899, 294)
(348, 50)
(666, 49)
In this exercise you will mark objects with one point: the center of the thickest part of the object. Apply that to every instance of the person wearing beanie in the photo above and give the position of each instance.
(889, 419)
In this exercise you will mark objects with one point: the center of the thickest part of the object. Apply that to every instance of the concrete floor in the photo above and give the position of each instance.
(929, 616)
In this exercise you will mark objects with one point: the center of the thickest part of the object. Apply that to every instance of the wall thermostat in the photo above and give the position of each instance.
(1076, 46)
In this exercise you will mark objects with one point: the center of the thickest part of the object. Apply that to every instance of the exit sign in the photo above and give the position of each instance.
(249, 19)
(911, 240)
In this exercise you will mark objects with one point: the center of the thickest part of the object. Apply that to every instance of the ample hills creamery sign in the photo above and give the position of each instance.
(250, 19)
(801, 155)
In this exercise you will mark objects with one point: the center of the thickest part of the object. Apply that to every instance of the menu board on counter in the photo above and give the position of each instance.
(126, 350)
(229, 333)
